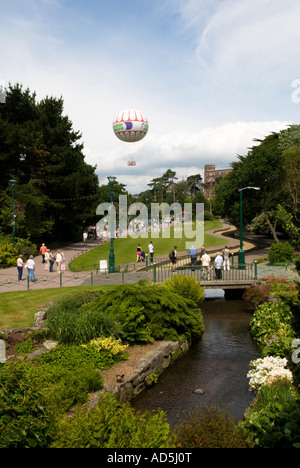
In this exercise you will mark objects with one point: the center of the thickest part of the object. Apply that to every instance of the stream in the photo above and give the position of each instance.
(217, 364)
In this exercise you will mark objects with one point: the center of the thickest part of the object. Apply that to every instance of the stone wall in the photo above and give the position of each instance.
(150, 367)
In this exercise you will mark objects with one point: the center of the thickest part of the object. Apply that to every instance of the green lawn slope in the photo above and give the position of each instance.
(125, 248)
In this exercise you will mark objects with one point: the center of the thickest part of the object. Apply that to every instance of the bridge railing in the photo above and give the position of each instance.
(249, 272)
(157, 273)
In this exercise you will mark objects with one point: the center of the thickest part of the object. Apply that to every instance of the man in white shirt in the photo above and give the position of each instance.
(218, 265)
(58, 261)
(205, 260)
(226, 256)
(151, 251)
(20, 265)
(30, 268)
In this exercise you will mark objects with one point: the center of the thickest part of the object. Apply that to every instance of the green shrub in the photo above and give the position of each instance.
(273, 421)
(25, 421)
(209, 428)
(34, 397)
(271, 321)
(113, 425)
(69, 355)
(187, 287)
(297, 263)
(281, 347)
(257, 294)
(9, 253)
(148, 311)
(281, 252)
(69, 323)
(281, 289)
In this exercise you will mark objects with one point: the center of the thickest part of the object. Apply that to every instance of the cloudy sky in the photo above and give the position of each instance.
(210, 75)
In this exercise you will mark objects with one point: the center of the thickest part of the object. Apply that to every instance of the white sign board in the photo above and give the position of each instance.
(103, 265)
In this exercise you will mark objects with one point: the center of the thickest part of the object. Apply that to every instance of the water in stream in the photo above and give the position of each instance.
(218, 364)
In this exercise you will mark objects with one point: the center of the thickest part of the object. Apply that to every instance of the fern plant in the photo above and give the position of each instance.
(148, 311)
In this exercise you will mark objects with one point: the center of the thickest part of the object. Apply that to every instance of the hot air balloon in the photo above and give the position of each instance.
(130, 125)
(131, 162)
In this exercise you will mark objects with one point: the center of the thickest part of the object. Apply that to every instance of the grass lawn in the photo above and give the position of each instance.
(17, 309)
(125, 248)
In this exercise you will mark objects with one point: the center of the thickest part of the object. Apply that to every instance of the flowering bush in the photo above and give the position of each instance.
(110, 344)
(271, 321)
(268, 370)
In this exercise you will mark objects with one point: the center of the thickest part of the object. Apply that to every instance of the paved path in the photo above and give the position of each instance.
(45, 279)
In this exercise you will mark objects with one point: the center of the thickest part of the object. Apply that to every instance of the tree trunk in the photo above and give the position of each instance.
(272, 227)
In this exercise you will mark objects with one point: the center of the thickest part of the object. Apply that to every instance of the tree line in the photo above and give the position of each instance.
(57, 192)
(272, 164)
(55, 188)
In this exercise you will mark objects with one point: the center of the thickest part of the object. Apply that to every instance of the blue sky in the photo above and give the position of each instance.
(210, 75)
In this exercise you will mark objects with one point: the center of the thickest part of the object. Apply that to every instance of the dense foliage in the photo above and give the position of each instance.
(68, 324)
(113, 425)
(33, 397)
(273, 165)
(42, 152)
(281, 252)
(9, 252)
(147, 311)
(273, 420)
(209, 428)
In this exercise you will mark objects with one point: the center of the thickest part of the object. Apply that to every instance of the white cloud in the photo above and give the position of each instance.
(211, 75)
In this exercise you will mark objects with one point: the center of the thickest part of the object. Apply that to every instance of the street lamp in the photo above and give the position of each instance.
(111, 259)
(241, 255)
(12, 184)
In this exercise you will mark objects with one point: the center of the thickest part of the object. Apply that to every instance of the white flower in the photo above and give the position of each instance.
(268, 370)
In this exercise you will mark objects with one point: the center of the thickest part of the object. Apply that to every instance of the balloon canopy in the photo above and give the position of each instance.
(130, 125)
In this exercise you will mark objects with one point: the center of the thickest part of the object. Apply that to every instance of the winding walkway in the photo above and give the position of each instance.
(45, 279)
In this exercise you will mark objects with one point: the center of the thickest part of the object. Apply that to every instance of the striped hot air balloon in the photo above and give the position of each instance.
(130, 125)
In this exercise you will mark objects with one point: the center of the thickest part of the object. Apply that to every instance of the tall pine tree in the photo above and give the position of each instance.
(56, 190)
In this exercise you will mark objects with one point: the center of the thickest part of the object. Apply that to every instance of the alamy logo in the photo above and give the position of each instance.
(154, 224)
(296, 353)
(296, 93)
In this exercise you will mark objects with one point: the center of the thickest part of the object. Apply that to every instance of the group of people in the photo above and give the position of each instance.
(141, 255)
(221, 261)
(48, 259)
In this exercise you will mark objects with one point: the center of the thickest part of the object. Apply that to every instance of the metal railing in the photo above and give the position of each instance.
(156, 272)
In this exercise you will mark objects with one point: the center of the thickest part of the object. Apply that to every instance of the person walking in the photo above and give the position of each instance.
(205, 260)
(20, 265)
(226, 256)
(47, 260)
(63, 262)
(151, 251)
(51, 261)
(138, 253)
(218, 265)
(58, 261)
(193, 254)
(43, 250)
(30, 268)
(174, 258)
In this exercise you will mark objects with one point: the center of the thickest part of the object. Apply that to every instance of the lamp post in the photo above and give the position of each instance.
(111, 259)
(241, 254)
(12, 184)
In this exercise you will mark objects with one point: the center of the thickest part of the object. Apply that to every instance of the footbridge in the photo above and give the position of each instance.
(241, 277)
